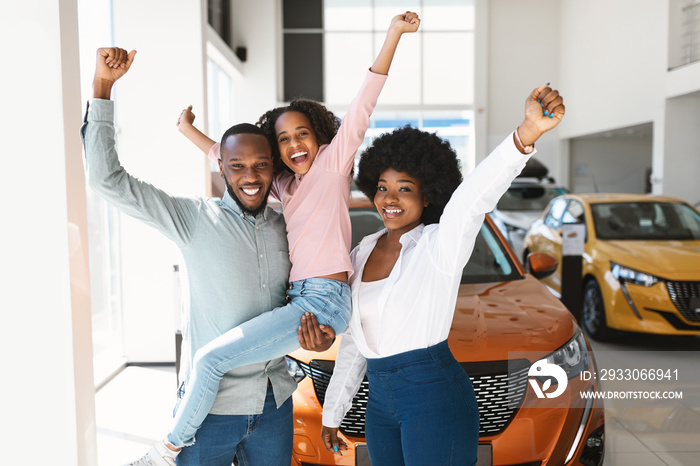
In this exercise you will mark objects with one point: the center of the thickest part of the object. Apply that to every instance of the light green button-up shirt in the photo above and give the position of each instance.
(235, 266)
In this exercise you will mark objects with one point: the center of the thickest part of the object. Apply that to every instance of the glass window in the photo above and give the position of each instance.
(553, 218)
(647, 221)
(302, 14)
(404, 86)
(348, 15)
(303, 49)
(574, 213)
(436, 65)
(303, 66)
(446, 15)
(219, 16)
(352, 53)
(448, 68)
(532, 198)
(384, 10)
(489, 262)
(219, 103)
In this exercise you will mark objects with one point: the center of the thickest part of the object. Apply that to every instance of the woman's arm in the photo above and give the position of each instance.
(481, 190)
(185, 124)
(348, 373)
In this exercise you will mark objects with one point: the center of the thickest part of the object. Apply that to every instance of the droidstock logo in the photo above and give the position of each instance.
(545, 371)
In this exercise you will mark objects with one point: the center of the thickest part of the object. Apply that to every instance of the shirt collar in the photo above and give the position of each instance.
(413, 235)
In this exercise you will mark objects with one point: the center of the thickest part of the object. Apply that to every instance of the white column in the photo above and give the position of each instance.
(47, 389)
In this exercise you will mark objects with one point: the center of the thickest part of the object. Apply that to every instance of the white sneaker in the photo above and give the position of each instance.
(158, 455)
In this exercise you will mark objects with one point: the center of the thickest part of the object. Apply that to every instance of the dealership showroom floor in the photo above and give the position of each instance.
(134, 409)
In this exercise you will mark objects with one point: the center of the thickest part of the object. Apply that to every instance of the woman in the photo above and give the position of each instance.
(421, 407)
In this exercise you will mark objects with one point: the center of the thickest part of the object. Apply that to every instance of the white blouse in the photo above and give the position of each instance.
(417, 300)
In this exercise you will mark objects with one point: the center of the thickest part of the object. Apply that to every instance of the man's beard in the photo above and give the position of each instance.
(245, 209)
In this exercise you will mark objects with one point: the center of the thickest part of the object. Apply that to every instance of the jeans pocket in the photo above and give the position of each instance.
(467, 390)
(420, 374)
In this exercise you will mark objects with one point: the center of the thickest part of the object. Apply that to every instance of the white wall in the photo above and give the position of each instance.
(522, 54)
(682, 148)
(613, 63)
(610, 164)
(47, 389)
(168, 74)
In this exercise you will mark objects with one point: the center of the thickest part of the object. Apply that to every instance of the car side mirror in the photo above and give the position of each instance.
(541, 265)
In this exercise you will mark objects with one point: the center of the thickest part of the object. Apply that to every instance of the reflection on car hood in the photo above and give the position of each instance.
(518, 218)
(494, 318)
(678, 260)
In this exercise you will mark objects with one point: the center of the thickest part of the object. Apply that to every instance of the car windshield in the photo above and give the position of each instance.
(489, 261)
(645, 221)
(528, 197)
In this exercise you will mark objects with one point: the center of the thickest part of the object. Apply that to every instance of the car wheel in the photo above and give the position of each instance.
(594, 312)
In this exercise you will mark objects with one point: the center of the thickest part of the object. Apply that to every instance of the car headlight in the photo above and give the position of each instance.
(625, 274)
(295, 369)
(573, 357)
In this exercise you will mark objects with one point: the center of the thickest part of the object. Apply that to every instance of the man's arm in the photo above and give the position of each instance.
(112, 63)
(314, 337)
(174, 217)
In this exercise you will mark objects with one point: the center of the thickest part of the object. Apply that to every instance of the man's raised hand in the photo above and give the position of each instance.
(111, 64)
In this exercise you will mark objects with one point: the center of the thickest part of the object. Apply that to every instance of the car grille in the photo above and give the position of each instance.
(681, 294)
(499, 393)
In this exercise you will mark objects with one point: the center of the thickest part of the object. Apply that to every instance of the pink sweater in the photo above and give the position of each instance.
(315, 205)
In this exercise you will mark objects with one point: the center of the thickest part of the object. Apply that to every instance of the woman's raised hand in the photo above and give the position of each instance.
(544, 109)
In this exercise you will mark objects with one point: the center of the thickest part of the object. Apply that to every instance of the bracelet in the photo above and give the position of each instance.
(525, 149)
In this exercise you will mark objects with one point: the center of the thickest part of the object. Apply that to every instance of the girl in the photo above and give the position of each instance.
(314, 193)
(421, 407)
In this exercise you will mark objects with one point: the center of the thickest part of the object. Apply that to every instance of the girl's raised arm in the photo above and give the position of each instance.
(185, 124)
(400, 24)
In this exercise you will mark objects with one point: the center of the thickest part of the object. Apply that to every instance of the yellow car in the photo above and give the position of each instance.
(641, 261)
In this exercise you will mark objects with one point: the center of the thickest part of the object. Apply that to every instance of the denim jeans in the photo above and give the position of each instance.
(270, 335)
(421, 410)
(257, 440)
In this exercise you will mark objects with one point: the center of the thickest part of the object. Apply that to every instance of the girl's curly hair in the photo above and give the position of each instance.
(423, 156)
(323, 122)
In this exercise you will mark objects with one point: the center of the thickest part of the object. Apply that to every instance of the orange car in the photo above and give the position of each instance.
(641, 261)
(505, 322)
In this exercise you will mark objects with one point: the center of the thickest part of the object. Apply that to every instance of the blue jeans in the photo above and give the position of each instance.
(257, 440)
(270, 335)
(421, 410)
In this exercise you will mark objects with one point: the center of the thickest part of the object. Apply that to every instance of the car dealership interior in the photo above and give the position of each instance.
(92, 298)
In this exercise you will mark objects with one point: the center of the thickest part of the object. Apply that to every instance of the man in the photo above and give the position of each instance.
(237, 264)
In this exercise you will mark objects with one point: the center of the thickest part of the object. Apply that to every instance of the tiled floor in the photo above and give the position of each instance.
(134, 410)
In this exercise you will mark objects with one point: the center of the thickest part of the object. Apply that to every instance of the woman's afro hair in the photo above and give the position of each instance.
(424, 156)
(323, 122)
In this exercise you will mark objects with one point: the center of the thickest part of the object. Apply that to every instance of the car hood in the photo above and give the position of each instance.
(493, 319)
(518, 218)
(677, 260)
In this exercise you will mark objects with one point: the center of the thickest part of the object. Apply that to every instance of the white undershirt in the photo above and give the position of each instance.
(369, 312)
